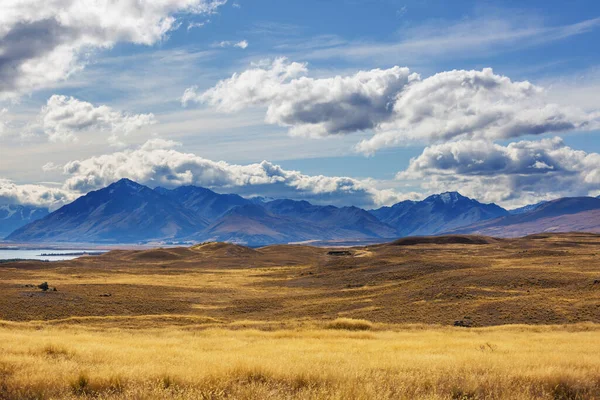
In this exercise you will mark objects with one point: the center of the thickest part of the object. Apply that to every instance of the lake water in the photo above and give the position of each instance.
(44, 254)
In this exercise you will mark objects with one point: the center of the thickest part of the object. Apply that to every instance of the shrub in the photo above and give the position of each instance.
(81, 385)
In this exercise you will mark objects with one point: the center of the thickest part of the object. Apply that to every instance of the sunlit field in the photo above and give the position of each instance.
(450, 319)
(328, 362)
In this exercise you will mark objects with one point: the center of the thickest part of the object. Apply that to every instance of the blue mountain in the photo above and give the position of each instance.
(204, 202)
(14, 216)
(527, 208)
(436, 214)
(127, 212)
(123, 212)
(568, 214)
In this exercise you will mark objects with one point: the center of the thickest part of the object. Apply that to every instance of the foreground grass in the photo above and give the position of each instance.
(328, 362)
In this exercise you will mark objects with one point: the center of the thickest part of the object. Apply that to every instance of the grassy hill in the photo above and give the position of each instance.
(439, 280)
(449, 317)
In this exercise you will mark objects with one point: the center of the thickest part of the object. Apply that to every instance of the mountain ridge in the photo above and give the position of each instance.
(128, 212)
(566, 214)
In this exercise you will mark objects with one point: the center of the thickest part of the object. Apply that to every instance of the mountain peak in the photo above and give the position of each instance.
(447, 197)
(126, 183)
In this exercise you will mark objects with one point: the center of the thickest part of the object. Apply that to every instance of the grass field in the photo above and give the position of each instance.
(222, 321)
(517, 362)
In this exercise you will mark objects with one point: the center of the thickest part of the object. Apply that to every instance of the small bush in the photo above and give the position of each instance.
(460, 394)
(350, 324)
(81, 385)
(167, 382)
(54, 351)
(568, 391)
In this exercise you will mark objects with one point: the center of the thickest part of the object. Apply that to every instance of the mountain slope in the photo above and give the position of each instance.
(204, 202)
(252, 225)
(527, 208)
(343, 218)
(436, 214)
(563, 215)
(284, 221)
(14, 216)
(122, 212)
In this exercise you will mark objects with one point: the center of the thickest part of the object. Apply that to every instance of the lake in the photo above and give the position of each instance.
(45, 254)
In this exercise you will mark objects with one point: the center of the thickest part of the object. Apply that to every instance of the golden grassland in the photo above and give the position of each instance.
(225, 322)
(511, 362)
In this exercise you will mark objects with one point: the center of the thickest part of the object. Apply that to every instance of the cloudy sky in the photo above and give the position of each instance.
(363, 102)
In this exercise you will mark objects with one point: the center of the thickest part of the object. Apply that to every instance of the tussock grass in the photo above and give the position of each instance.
(350, 324)
(305, 363)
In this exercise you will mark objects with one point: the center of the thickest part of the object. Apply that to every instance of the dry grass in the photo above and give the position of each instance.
(547, 280)
(516, 362)
(350, 324)
(225, 322)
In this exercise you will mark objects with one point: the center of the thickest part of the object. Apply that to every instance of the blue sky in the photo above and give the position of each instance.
(73, 111)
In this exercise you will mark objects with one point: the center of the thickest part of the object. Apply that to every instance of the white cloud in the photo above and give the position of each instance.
(50, 166)
(193, 25)
(310, 107)
(159, 163)
(473, 104)
(398, 106)
(36, 195)
(63, 118)
(44, 41)
(242, 44)
(519, 173)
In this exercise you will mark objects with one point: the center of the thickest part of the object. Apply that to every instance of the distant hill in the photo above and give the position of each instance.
(14, 216)
(436, 214)
(122, 212)
(568, 214)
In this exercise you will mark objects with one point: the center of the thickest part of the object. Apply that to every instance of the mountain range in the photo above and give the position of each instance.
(127, 212)
(13, 216)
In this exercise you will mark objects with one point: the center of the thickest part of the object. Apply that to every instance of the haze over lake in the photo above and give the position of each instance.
(44, 254)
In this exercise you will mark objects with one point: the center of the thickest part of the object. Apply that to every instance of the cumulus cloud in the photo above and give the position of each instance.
(43, 41)
(310, 107)
(516, 174)
(159, 163)
(63, 118)
(36, 195)
(242, 44)
(397, 105)
(474, 104)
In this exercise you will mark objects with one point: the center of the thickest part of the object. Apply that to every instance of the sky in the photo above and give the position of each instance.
(355, 102)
